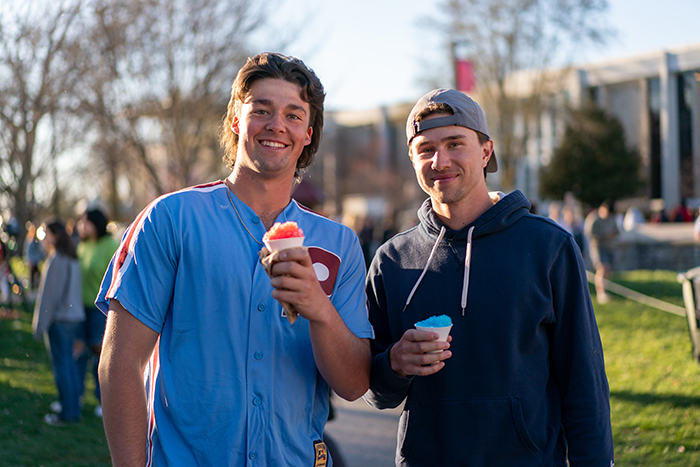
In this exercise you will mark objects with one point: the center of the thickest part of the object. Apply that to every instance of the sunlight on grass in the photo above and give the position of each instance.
(26, 390)
(654, 381)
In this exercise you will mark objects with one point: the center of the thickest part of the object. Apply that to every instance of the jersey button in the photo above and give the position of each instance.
(253, 455)
(258, 355)
(261, 307)
(256, 220)
(257, 401)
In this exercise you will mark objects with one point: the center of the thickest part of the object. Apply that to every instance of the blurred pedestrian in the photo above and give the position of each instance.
(602, 231)
(59, 317)
(4, 273)
(95, 251)
(72, 229)
(572, 225)
(633, 218)
(681, 213)
(366, 236)
(34, 255)
(554, 212)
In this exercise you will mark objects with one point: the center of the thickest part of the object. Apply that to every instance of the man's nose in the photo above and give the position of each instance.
(440, 160)
(275, 122)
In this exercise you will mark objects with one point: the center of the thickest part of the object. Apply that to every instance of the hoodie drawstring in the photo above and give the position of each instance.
(467, 267)
(425, 269)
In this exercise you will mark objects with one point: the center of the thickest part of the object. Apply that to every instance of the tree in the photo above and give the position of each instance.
(159, 79)
(512, 44)
(592, 161)
(38, 53)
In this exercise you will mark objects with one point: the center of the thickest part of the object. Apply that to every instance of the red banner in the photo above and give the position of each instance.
(464, 75)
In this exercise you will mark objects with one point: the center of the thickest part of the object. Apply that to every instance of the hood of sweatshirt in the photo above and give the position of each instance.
(506, 211)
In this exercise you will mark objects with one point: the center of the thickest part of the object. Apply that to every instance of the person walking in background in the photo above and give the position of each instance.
(681, 213)
(230, 380)
(33, 254)
(522, 380)
(4, 273)
(602, 231)
(59, 317)
(95, 251)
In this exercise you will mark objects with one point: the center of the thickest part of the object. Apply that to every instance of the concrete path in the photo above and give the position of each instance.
(365, 437)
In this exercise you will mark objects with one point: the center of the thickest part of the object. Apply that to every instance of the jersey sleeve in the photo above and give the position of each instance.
(141, 274)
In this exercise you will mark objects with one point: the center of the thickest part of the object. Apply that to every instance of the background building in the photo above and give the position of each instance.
(364, 169)
(656, 98)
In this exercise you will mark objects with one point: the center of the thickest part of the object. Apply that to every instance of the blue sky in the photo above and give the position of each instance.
(376, 52)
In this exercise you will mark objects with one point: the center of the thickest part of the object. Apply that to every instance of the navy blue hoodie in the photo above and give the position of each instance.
(526, 383)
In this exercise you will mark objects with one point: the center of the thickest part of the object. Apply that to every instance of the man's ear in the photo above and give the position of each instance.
(235, 125)
(488, 152)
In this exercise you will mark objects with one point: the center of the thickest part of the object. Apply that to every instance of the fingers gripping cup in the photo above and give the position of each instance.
(282, 236)
(441, 324)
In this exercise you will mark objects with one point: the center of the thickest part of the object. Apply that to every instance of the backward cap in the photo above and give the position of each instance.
(467, 113)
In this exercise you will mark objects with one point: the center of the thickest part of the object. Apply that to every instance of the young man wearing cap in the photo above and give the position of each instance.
(521, 381)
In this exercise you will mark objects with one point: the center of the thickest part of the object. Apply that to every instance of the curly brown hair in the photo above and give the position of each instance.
(277, 66)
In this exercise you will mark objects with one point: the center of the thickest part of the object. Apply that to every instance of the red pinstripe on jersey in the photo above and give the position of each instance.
(150, 376)
(127, 244)
(153, 367)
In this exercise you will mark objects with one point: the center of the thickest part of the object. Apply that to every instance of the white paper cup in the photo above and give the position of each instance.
(283, 243)
(443, 332)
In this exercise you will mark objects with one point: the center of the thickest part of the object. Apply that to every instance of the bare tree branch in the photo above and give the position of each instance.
(37, 74)
(506, 39)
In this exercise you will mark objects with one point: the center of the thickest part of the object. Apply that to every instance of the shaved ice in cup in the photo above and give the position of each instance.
(283, 235)
(441, 324)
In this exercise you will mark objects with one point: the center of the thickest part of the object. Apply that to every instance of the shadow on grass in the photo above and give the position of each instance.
(674, 400)
(26, 440)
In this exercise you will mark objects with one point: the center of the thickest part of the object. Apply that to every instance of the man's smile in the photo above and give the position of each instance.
(272, 144)
(444, 178)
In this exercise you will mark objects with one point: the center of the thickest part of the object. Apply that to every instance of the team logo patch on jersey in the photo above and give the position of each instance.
(321, 454)
(326, 266)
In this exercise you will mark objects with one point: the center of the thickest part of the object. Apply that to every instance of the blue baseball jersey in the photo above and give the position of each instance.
(231, 381)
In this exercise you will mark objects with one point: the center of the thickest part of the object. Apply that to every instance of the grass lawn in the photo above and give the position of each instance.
(654, 381)
(26, 390)
(654, 384)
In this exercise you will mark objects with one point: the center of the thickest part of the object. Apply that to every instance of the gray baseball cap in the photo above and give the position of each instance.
(467, 113)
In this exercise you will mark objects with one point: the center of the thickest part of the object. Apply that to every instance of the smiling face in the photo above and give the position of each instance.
(449, 162)
(273, 128)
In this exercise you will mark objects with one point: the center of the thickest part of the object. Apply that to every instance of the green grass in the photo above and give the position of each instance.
(654, 384)
(654, 381)
(26, 390)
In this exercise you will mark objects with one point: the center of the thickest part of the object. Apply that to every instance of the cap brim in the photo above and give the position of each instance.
(492, 165)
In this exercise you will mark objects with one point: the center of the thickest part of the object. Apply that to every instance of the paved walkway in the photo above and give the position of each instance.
(366, 437)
